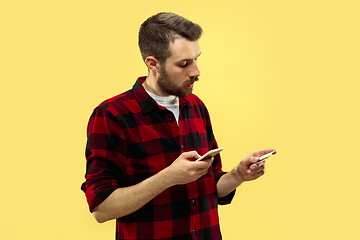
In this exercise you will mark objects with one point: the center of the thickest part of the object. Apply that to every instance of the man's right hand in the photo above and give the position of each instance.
(184, 170)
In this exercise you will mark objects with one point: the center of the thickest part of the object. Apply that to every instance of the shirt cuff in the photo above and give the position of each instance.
(228, 198)
(94, 198)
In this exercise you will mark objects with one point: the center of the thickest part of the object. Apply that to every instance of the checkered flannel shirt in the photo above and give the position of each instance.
(130, 138)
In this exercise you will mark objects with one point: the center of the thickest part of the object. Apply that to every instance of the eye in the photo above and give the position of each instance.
(184, 64)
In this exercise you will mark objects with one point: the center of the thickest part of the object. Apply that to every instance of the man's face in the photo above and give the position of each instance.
(180, 71)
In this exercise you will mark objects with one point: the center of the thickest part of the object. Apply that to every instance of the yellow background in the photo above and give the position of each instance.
(281, 74)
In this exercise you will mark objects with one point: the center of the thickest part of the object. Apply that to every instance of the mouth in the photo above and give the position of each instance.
(191, 82)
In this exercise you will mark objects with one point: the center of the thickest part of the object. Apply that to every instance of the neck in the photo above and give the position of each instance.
(151, 85)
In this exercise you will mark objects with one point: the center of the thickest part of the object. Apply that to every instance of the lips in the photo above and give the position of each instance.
(190, 83)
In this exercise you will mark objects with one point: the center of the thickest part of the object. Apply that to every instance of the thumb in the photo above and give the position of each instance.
(191, 155)
(249, 160)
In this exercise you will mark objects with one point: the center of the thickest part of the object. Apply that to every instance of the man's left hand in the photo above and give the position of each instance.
(248, 169)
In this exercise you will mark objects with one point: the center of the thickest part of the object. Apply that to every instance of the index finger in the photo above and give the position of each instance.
(205, 163)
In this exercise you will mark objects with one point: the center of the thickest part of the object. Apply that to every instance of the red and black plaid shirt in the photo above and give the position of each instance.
(130, 138)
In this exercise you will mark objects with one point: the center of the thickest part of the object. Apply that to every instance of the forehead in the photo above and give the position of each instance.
(182, 49)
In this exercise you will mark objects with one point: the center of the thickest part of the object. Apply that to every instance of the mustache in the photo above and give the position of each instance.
(194, 79)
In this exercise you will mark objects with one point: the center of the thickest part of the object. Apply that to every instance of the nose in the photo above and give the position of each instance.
(195, 72)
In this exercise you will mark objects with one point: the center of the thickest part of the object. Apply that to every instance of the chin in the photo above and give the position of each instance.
(187, 93)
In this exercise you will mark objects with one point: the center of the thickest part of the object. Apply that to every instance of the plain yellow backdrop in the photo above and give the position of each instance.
(279, 74)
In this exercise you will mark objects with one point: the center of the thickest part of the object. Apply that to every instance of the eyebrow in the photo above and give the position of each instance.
(188, 59)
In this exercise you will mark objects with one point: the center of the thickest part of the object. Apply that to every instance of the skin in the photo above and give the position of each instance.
(181, 171)
(180, 70)
(177, 76)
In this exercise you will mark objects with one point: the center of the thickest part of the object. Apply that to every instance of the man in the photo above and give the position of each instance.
(142, 145)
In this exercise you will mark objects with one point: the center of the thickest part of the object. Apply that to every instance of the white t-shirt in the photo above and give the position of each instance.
(170, 102)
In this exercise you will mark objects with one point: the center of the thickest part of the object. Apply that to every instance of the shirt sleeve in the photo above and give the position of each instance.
(217, 166)
(105, 156)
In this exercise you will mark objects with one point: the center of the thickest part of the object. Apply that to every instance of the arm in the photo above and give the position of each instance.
(246, 170)
(124, 201)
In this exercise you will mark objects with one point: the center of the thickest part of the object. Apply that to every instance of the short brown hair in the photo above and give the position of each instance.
(159, 30)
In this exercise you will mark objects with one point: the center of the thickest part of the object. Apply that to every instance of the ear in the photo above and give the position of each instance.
(153, 64)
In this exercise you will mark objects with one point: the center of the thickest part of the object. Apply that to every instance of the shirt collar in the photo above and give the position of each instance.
(146, 102)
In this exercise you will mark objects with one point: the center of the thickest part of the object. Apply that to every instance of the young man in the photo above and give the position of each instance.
(142, 145)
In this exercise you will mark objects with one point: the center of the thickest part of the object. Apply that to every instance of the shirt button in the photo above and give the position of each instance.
(171, 120)
(193, 201)
(193, 231)
(182, 146)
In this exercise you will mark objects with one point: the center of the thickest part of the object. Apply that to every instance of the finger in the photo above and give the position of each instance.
(201, 175)
(201, 171)
(191, 154)
(260, 169)
(259, 174)
(205, 163)
(261, 163)
(254, 160)
(249, 160)
(209, 160)
(255, 169)
(204, 172)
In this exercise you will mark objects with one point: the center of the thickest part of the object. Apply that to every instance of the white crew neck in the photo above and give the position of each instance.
(170, 102)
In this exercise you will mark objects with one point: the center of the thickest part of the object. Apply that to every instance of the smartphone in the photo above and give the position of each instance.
(210, 153)
(265, 156)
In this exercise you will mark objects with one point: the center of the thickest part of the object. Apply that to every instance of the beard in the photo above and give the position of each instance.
(170, 87)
